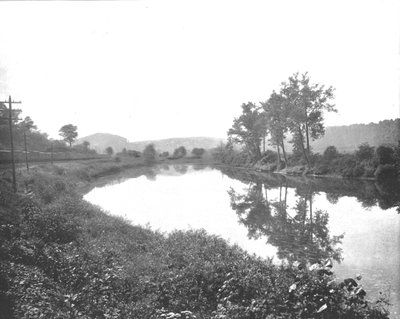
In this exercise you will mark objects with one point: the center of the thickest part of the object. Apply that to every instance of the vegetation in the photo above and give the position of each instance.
(109, 151)
(347, 138)
(179, 152)
(149, 154)
(61, 257)
(69, 133)
(297, 110)
(198, 152)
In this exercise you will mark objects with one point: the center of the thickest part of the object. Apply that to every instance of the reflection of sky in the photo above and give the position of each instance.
(199, 199)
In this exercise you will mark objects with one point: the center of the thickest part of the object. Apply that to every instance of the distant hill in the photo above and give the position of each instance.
(348, 138)
(170, 144)
(100, 141)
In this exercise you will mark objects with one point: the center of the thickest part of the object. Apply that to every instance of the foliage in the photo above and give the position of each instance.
(109, 151)
(365, 152)
(61, 257)
(198, 152)
(149, 154)
(306, 102)
(385, 155)
(248, 129)
(386, 171)
(179, 152)
(69, 133)
(331, 153)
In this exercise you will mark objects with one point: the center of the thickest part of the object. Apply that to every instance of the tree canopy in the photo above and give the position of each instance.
(69, 133)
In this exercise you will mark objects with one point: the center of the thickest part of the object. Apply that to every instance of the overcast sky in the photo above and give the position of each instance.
(158, 69)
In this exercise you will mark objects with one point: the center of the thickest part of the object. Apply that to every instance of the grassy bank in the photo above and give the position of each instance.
(367, 162)
(61, 257)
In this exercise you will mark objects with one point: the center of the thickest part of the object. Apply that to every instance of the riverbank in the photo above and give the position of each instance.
(297, 171)
(64, 258)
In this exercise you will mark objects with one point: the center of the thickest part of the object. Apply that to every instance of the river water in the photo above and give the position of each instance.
(355, 224)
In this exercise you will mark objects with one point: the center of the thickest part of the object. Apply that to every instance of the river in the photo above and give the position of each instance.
(354, 223)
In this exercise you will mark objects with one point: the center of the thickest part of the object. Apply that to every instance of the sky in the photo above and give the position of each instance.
(157, 69)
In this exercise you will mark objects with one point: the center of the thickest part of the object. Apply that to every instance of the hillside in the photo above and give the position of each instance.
(348, 138)
(100, 141)
(345, 138)
(171, 144)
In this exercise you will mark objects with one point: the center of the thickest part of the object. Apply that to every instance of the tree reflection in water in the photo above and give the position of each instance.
(300, 234)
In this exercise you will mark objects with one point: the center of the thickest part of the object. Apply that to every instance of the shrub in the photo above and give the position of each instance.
(358, 171)
(331, 153)
(179, 152)
(198, 152)
(269, 156)
(386, 171)
(322, 169)
(385, 155)
(149, 154)
(109, 151)
(364, 152)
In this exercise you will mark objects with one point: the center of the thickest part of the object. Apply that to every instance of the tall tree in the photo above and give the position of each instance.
(276, 114)
(4, 123)
(69, 133)
(149, 154)
(248, 129)
(307, 103)
(109, 150)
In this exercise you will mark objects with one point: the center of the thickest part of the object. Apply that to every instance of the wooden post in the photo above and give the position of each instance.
(10, 119)
(12, 144)
(26, 152)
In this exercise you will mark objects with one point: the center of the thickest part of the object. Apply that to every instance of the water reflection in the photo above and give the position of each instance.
(384, 194)
(300, 233)
(284, 212)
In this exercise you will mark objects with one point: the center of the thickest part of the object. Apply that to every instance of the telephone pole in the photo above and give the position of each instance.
(10, 103)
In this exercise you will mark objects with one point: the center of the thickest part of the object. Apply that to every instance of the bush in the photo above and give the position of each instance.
(386, 171)
(364, 152)
(321, 169)
(269, 157)
(179, 152)
(198, 152)
(385, 155)
(149, 154)
(330, 153)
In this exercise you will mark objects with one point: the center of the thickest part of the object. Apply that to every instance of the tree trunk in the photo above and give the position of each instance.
(284, 153)
(307, 135)
(266, 193)
(264, 143)
(278, 166)
(286, 186)
(311, 218)
(303, 149)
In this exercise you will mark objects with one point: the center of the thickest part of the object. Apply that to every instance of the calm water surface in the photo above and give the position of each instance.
(354, 223)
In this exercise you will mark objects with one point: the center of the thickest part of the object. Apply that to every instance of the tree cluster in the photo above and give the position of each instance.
(297, 109)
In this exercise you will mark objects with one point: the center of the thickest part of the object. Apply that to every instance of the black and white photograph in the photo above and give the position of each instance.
(200, 159)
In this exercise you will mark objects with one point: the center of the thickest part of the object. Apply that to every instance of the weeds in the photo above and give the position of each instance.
(64, 258)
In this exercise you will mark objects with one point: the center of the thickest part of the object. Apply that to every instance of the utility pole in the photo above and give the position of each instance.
(26, 151)
(10, 103)
(51, 153)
